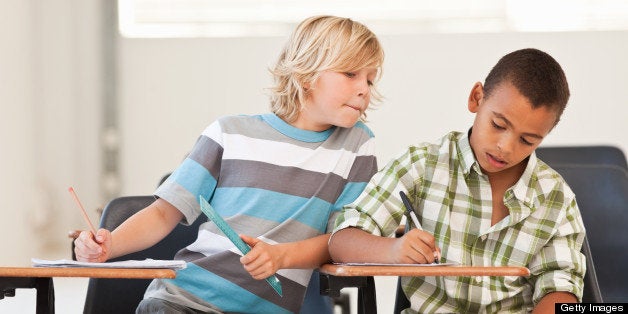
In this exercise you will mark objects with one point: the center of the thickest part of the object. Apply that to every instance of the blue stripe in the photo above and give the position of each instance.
(299, 134)
(194, 177)
(351, 191)
(273, 206)
(222, 293)
(363, 126)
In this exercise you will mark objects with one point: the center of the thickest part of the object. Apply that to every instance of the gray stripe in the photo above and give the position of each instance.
(288, 180)
(255, 127)
(339, 139)
(228, 265)
(362, 169)
(292, 230)
(182, 199)
(187, 255)
(288, 231)
(208, 153)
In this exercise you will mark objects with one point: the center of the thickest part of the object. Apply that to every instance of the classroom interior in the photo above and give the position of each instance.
(84, 106)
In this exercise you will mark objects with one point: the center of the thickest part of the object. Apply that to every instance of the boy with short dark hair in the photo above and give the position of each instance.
(483, 199)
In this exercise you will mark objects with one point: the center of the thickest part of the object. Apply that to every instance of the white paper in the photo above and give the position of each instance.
(147, 263)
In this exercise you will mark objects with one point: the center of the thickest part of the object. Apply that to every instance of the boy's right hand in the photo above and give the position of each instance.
(415, 247)
(88, 249)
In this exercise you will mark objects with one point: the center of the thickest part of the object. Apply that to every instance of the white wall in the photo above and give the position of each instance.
(170, 89)
(50, 101)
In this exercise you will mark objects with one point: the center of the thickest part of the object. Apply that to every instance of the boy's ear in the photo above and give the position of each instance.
(476, 95)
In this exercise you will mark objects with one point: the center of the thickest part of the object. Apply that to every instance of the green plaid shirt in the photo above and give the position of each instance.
(452, 199)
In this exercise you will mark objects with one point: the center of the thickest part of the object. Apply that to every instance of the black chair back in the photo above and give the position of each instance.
(598, 175)
(602, 196)
(579, 155)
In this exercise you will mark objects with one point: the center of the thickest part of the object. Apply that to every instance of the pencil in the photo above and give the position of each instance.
(78, 202)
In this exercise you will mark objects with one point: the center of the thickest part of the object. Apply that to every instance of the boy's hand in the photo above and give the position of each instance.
(88, 249)
(415, 247)
(263, 260)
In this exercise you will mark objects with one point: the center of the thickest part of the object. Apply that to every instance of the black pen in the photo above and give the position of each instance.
(410, 210)
(412, 214)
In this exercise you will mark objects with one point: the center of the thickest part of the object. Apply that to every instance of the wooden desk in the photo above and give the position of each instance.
(334, 277)
(40, 278)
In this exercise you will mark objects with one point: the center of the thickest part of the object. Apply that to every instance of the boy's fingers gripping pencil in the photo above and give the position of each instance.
(235, 239)
(78, 202)
(415, 220)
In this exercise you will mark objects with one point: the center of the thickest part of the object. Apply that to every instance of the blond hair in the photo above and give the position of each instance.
(321, 43)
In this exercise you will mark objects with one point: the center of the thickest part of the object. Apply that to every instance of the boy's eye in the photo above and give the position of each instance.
(369, 82)
(350, 74)
(497, 126)
(526, 142)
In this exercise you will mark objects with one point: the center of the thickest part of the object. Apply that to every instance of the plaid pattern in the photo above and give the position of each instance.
(452, 199)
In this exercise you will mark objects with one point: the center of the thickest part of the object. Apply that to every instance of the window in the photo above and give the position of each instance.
(236, 18)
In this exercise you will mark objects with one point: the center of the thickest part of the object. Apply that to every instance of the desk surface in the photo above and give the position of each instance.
(379, 270)
(129, 273)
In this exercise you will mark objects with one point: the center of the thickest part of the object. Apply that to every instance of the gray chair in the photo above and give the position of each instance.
(582, 155)
(602, 194)
(598, 175)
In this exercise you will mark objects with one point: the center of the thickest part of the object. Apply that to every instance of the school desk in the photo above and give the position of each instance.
(40, 278)
(334, 277)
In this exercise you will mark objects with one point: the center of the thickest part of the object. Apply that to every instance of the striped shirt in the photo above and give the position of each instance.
(453, 201)
(269, 180)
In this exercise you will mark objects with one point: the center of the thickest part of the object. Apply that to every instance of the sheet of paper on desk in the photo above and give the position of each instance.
(147, 263)
(384, 264)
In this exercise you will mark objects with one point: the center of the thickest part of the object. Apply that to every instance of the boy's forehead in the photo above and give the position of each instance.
(508, 104)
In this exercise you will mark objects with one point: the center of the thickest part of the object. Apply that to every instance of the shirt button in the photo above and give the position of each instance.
(478, 279)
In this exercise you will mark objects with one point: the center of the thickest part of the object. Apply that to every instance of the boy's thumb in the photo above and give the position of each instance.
(249, 240)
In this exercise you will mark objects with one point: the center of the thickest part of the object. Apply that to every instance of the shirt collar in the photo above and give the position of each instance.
(521, 190)
(465, 154)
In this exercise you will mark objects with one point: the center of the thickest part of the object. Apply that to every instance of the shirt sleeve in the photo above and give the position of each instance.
(560, 265)
(196, 175)
(362, 169)
(378, 210)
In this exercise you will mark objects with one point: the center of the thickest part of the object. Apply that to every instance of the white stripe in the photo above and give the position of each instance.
(288, 155)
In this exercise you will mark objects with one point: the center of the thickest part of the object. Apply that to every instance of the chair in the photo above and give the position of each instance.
(588, 155)
(598, 175)
(123, 295)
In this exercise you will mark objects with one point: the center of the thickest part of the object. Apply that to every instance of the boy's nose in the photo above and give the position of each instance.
(363, 88)
(504, 145)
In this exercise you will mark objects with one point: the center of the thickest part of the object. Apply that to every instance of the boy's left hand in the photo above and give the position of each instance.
(263, 260)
